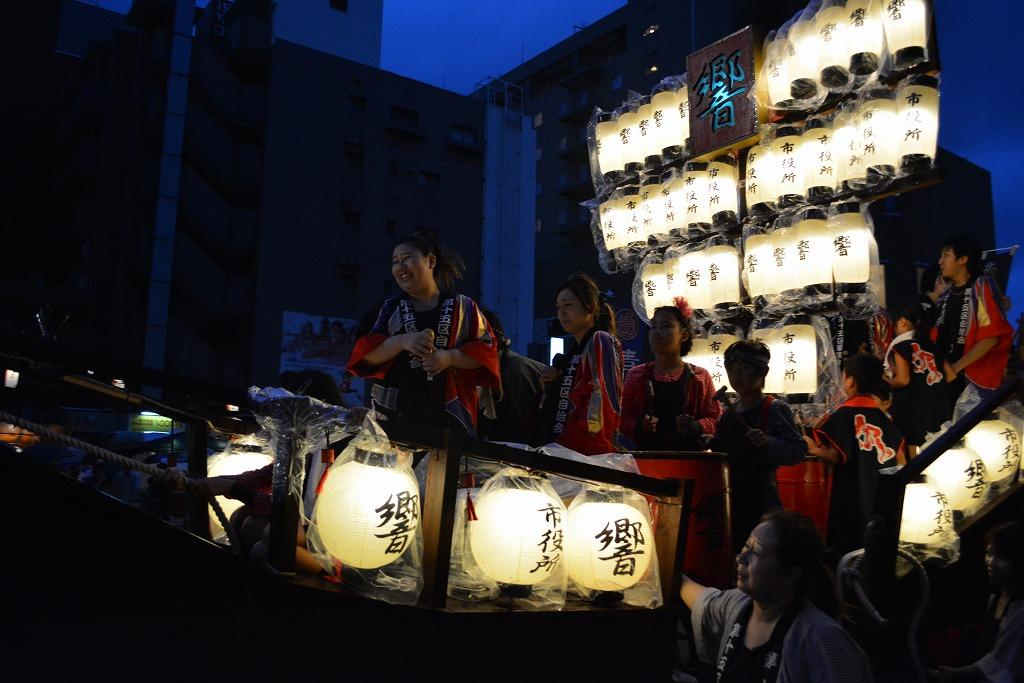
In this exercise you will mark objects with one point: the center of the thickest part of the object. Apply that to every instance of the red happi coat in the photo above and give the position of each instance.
(587, 414)
(469, 333)
(985, 320)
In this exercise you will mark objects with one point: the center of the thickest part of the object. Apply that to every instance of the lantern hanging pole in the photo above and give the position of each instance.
(439, 517)
(670, 535)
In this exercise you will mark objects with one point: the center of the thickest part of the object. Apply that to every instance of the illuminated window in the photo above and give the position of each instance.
(650, 30)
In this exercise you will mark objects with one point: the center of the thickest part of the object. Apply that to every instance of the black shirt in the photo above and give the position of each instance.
(420, 398)
(951, 338)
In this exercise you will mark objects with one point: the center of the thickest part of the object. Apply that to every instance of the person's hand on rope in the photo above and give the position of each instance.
(218, 486)
(175, 479)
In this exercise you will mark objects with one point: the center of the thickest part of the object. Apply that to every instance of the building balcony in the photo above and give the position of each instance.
(575, 151)
(575, 113)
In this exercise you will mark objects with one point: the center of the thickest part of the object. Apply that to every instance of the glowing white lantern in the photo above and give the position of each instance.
(723, 268)
(878, 132)
(776, 67)
(647, 137)
(960, 474)
(673, 206)
(230, 463)
(917, 115)
(757, 265)
(794, 351)
(853, 246)
(927, 517)
(608, 544)
(848, 148)
(865, 36)
(690, 278)
(654, 287)
(819, 176)
(629, 137)
(998, 444)
(709, 353)
(813, 250)
(803, 61)
(517, 537)
(671, 121)
(609, 145)
(723, 197)
(760, 193)
(783, 260)
(651, 208)
(683, 108)
(787, 173)
(695, 181)
(366, 515)
(613, 226)
(833, 56)
(906, 31)
(631, 213)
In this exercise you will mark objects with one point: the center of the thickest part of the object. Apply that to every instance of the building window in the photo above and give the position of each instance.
(617, 82)
(650, 30)
(651, 61)
(428, 178)
(538, 119)
(354, 161)
(340, 5)
(463, 135)
(405, 117)
(390, 226)
(357, 104)
(351, 220)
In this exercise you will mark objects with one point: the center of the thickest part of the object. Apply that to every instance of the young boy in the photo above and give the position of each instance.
(920, 402)
(759, 435)
(859, 439)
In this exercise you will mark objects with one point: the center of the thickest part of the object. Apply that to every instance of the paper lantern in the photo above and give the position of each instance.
(803, 60)
(690, 278)
(787, 171)
(671, 118)
(654, 287)
(776, 67)
(227, 464)
(865, 37)
(760, 192)
(723, 196)
(647, 137)
(367, 515)
(517, 538)
(651, 208)
(783, 260)
(833, 54)
(998, 444)
(906, 25)
(608, 545)
(609, 145)
(927, 517)
(673, 202)
(723, 275)
(613, 227)
(819, 176)
(631, 214)
(813, 252)
(794, 351)
(848, 148)
(758, 265)
(917, 116)
(629, 138)
(709, 353)
(853, 246)
(960, 475)
(695, 181)
(878, 132)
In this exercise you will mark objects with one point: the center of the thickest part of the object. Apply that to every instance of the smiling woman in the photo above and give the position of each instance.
(430, 348)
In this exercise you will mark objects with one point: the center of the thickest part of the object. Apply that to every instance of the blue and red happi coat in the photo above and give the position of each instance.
(466, 331)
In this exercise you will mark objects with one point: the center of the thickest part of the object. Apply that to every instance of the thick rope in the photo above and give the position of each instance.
(194, 485)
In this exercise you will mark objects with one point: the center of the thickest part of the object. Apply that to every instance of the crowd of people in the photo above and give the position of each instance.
(439, 360)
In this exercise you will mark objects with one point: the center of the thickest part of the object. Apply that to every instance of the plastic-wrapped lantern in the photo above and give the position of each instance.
(695, 181)
(723, 275)
(723, 198)
(776, 67)
(960, 474)
(760, 192)
(813, 251)
(906, 31)
(629, 138)
(709, 353)
(758, 265)
(608, 544)
(788, 179)
(670, 127)
(819, 176)
(226, 464)
(654, 287)
(609, 146)
(783, 260)
(853, 247)
(631, 214)
(673, 202)
(366, 515)
(848, 148)
(865, 36)
(517, 537)
(647, 138)
(803, 61)
(613, 228)
(878, 131)
(690, 277)
(794, 352)
(917, 115)
(998, 444)
(833, 56)
(927, 518)
(651, 210)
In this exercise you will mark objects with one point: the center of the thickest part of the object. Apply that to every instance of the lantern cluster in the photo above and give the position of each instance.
(233, 461)
(837, 46)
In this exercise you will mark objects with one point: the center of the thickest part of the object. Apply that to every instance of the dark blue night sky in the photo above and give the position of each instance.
(455, 43)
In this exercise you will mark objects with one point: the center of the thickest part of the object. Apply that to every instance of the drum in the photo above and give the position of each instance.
(807, 489)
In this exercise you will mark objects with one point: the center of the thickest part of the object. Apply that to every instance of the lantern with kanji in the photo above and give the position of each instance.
(760, 192)
(917, 117)
(813, 252)
(854, 252)
(698, 212)
(961, 475)
(722, 261)
(803, 60)
(906, 24)
(848, 148)
(652, 288)
(723, 196)
(865, 37)
(998, 444)
(690, 271)
(609, 146)
(819, 176)
(831, 49)
(787, 172)
(673, 203)
(709, 353)
(647, 138)
(927, 517)
(629, 137)
(777, 54)
(651, 208)
(758, 266)
(878, 132)
(783, 258)
(671, 121)
(612, 221)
